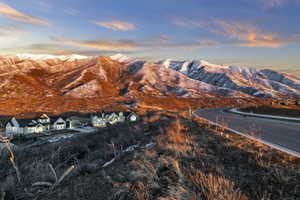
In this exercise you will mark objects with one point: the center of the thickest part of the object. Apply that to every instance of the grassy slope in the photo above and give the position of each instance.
(189, 161)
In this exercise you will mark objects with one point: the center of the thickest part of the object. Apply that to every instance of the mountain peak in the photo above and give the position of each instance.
(49, 56)
(121, 58)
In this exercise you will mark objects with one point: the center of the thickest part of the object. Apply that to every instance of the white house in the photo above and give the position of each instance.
(113, 118)
(102, 119)
(74, 122)
(59, 124)
(13, 127)
(45, 121)
(121, 117)
(99, 120)
(132, 117)
(31, 127)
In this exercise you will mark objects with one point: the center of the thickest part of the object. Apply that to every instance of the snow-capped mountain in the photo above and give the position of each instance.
(260, 83)
(121, 58)
(27, 75)
(28, 56)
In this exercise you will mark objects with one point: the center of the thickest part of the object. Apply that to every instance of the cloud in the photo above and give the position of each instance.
(101, 44)
(116, 25)
(59, 49)
(11, 13)
(243, 34)
(250, 36)
(160, 41)
(185, 22)
(62, 50)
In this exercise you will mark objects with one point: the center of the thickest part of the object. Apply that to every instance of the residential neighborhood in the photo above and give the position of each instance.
(15, 126)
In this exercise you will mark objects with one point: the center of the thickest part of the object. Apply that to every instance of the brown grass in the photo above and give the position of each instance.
(215, 187)
(188, 162)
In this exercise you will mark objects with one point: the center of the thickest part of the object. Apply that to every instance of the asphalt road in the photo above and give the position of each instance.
(283, 133)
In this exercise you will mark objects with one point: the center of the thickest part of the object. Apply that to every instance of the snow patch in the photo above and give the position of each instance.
(49, 56)
(121, 58)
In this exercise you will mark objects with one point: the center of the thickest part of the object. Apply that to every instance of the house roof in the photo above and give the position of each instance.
(30, 122)
(25, 122)
(43, 116)
(128, 114)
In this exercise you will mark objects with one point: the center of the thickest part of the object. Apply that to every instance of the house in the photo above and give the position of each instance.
(99, 120)
(121, 117)
(44, 120)
(59, 123)
(113, 118)
(33, 127)
(13, 127)
(131, 116)
(25, 126)
(74, 122)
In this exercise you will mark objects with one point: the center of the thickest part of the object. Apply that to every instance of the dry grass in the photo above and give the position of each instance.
(215, 187)
(188, 162)
(175, 139)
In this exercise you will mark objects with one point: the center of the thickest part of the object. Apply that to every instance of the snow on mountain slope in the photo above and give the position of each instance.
(149, 77)
(81, 77)
(121, 58)
(261, 83)
(27, 56)
(88, 90)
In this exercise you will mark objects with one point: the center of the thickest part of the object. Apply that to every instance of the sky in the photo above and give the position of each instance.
(255, 33)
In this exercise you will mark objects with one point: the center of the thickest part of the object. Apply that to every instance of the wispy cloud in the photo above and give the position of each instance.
(116, 25)
(250, 36)
(163, 41)
(11, 13)
(186, 22)
(101, 44)
(242, 34)
(58, 49)
(160, 41)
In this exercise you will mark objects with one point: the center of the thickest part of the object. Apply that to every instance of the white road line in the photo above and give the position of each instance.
(275, 146)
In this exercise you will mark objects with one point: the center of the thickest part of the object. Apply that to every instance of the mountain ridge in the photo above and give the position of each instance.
(101, 76)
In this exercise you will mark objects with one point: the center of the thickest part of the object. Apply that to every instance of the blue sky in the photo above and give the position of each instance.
(260, 33)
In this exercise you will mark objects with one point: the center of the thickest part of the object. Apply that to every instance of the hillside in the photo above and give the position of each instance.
(259, 83)
(162, 156)
(27, 75)
(82, 77)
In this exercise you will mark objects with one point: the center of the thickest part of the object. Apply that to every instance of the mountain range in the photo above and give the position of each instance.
(27, 75)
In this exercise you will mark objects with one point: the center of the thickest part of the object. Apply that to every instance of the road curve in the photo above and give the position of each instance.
(280, 133)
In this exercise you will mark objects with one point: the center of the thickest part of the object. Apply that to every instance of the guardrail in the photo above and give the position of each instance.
(275, 146)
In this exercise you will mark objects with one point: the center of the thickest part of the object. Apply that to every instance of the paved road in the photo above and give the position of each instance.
(283, 133)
